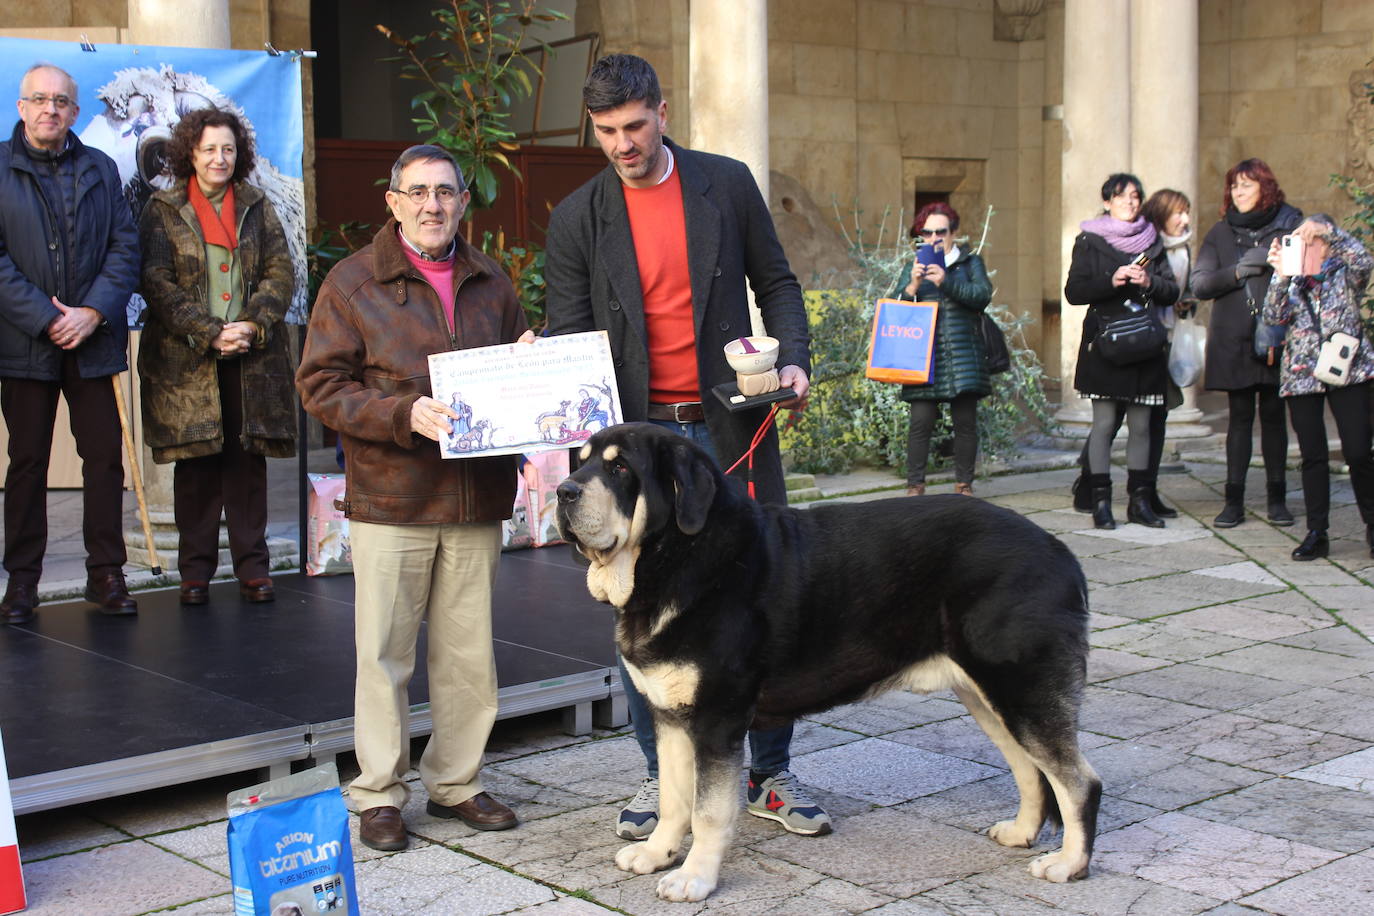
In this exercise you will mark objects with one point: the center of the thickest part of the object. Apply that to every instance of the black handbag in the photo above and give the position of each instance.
(1132, 339)
(994, 345)
(1268, 338)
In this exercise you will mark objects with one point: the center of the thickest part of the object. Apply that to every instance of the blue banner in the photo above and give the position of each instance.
(131, 96)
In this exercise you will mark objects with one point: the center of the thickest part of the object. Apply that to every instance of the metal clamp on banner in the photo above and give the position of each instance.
(298, 52)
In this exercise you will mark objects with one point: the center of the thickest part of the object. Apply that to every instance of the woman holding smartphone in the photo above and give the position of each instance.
(1320, 299)
(943, 272)
(1170, 212)
(1233, 271)
(1118, 270)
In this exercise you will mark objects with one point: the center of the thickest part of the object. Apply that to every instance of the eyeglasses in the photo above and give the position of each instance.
(419, 194)
(39, 99)
(939, 233)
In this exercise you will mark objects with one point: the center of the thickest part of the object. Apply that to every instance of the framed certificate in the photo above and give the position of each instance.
(526, 398)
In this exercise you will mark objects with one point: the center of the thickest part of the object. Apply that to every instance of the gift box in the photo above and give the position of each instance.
(327, 549)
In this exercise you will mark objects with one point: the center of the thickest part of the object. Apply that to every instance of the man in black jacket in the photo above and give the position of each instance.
(68, 263)
(656, 250)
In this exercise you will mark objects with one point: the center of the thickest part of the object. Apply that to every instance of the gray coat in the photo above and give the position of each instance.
(593, 284)
(105, 272)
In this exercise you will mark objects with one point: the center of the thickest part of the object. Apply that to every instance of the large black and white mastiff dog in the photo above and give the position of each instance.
(730, 613)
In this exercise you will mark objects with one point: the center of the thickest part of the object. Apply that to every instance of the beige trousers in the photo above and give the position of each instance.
(405, 574)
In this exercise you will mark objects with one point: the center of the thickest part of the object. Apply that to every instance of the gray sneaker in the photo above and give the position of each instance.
(781, 798)
(639, 818)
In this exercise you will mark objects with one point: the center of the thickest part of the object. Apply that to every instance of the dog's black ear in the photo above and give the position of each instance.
(694, 485)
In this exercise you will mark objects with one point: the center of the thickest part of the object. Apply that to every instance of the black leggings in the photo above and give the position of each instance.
(1240, 427)
(1350, 407)
(963, 413)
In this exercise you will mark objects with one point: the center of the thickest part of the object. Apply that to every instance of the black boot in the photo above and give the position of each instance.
(1158, 505)
(1138, 509)
(1278, 504)
(1369, 538)
(1313, 546)
(1234, 512)
(1083, 493)
(1102, 501)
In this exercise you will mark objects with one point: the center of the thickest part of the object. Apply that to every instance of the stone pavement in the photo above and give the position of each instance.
(1228, 714)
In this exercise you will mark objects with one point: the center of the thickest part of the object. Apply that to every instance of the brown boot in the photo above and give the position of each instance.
(481, 812)
(916, 489)
(382, 828)
(964, 489)
(20, 601)
(111, 593)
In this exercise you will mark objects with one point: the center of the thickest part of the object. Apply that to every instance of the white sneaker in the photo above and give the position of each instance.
(640, 816)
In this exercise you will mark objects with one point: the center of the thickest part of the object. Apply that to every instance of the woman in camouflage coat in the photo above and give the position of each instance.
(218, 397)
(1327, 299)
(959, 367)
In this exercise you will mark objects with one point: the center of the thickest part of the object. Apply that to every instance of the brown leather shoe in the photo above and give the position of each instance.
(257, 591)
(382, 828)
(112, 594)
(916, 489)
(20, 601)
(963, 489)
(481, 812)
(195, 592)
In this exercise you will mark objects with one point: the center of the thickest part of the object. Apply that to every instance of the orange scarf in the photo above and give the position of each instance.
(219, 228)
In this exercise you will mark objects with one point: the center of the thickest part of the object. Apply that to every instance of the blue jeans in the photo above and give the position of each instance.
(769, 749)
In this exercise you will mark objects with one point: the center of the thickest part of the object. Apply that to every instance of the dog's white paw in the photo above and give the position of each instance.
(1059, 867)
(682, 884)
(1008, 834)
(643, 859)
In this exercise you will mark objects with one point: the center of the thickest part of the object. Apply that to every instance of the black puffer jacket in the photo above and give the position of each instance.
(1090, 283)
(958, 360)
(105, 270)
(1231, 364)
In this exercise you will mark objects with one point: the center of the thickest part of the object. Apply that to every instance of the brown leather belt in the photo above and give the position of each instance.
(686, 412)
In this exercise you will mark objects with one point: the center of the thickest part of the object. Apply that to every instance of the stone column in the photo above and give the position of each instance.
(1097, 142)
(179, 23)
(1164, 127)
(174, 23)
(729, 87)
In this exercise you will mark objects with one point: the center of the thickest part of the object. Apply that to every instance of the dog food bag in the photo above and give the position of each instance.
(289, 849)
(327, 552)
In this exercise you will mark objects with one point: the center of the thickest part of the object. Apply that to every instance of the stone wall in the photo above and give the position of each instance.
(873, 100)
(1275, 83)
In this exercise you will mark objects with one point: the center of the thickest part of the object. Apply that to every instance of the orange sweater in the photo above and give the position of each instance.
(659, 228)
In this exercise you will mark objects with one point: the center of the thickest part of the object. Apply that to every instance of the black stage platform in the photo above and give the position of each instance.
(96, 706)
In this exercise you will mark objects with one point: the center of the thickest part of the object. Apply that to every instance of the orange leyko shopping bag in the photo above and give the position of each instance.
(903, 336)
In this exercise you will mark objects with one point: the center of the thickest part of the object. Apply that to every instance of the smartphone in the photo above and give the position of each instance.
(929, 254)
(1291, 252)
(1141, 259)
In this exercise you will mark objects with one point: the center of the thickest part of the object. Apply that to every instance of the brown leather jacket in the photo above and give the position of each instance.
(371, 330)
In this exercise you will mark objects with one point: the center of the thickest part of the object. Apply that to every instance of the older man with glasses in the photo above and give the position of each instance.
(68, 264)
(425, 532)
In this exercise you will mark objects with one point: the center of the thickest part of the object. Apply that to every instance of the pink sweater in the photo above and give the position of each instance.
(439, 274)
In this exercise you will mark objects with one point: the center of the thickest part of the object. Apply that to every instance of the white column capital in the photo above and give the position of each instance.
(179, 23)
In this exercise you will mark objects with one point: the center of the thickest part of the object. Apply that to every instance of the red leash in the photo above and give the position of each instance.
(759, 435)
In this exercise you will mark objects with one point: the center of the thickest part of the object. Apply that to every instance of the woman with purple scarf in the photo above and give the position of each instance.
(1107, 274)
(1326, 300)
